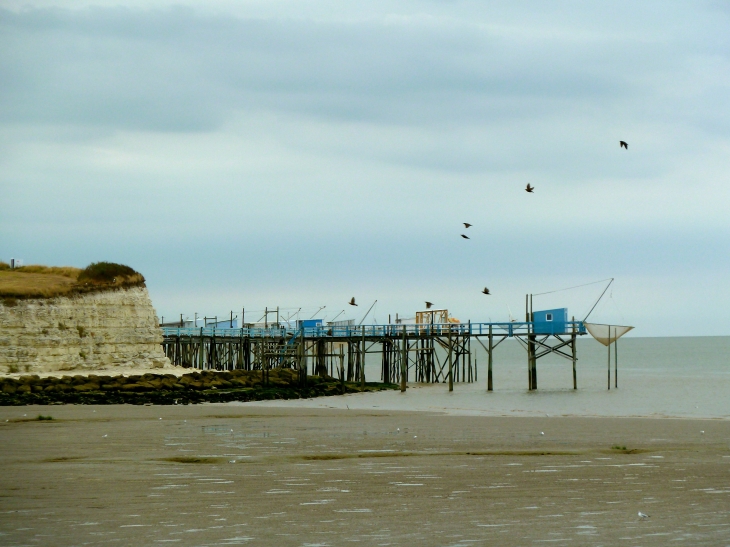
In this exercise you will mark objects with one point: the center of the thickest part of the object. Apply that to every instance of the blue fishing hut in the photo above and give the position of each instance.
(219, 324)
(550, 321)
(309, 323)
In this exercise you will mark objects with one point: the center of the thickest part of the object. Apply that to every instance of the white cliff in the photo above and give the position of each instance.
(89, 332)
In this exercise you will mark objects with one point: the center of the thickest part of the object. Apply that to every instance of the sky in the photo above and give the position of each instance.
(254, 154)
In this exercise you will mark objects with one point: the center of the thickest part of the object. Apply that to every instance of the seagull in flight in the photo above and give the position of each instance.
(466, 224)
(643, 515)
(428, 305)
(529, 188)
(465, 237)
(486, 291)
(352, 301)
(623, 144)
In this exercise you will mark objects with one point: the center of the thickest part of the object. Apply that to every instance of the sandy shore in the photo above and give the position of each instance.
(243, 474)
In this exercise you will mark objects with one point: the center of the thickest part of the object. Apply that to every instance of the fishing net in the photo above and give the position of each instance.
(606, 334)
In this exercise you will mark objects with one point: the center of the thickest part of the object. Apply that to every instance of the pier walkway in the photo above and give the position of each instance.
(436, 352)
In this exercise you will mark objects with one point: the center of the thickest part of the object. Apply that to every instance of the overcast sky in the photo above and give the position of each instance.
(264, 153)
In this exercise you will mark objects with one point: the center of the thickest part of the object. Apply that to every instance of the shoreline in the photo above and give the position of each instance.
(466, 399)
(473, 400)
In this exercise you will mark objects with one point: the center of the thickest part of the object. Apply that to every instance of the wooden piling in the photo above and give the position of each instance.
(615, 362)
(451, 371)
(573, 348)
(342, 368)
(609, 358)
(404, 362)
(472, 372)
(490, 386)
(362, 360)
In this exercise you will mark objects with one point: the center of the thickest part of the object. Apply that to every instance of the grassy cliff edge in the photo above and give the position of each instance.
(38, 281)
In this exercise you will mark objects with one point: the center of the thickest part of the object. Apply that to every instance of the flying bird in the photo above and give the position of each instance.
(352, 302)
(428, 305)
(623, 144)
(486, 291)
(529, 188)
(466, 224)
(465, 237)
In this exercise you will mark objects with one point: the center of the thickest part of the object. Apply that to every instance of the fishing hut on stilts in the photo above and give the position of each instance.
(434, 349)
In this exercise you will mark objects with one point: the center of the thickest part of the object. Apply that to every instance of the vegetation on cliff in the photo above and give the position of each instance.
(38, 281)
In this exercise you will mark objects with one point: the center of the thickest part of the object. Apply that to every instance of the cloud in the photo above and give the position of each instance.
(179, 70)
(264, 149)
(460, 94)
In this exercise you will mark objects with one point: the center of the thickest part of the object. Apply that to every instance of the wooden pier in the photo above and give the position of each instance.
(427, 353)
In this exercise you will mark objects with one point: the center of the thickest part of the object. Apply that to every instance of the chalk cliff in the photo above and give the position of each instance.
(86, 332)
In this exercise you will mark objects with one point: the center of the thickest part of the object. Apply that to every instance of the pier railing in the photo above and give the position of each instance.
(509, 329)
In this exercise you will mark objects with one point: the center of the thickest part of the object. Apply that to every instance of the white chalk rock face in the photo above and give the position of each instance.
(98, 331)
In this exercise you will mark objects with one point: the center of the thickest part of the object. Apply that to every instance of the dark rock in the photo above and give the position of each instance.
(90, 386)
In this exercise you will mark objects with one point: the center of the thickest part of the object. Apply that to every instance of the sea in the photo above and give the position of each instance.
(673, 377)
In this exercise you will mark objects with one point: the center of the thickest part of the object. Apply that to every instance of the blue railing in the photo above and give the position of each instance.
(439, 329)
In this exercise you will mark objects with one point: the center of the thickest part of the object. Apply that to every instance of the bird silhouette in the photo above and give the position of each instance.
(352, 302)
(428, 305)
(465, 237)
(623, 144)
(529, 188)
(466, 225)
(486, 291)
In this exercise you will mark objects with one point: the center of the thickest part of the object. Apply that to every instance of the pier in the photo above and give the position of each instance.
(421, 352)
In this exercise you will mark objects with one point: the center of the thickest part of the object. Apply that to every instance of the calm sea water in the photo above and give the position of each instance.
(663, 377)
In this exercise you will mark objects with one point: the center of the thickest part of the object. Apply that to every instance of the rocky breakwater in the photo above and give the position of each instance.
(194, 387)
(92, 325)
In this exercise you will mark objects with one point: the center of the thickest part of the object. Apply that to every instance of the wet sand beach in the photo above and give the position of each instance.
(250, 475)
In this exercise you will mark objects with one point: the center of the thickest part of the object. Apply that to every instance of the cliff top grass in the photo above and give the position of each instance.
(38, 281)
